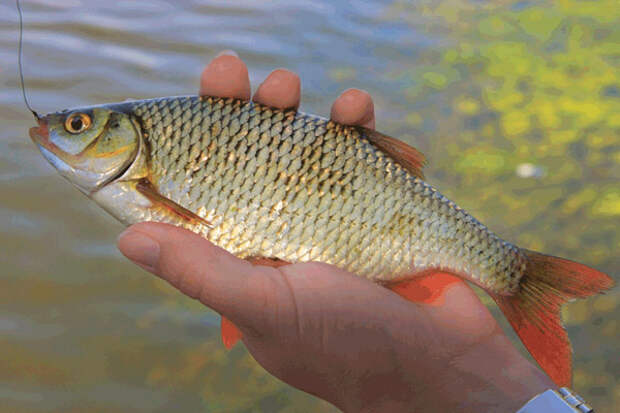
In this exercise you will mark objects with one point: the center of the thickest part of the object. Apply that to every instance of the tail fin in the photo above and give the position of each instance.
(534, 311)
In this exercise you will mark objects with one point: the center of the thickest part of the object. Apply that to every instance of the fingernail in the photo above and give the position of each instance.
(139, 247)
(227, 52)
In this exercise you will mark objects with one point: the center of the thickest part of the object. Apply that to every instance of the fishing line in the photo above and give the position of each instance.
(19, 61)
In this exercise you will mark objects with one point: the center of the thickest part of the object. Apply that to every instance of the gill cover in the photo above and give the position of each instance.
(89, 147)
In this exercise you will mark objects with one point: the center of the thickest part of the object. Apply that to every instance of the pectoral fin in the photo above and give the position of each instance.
(146, 188)
(269, 262)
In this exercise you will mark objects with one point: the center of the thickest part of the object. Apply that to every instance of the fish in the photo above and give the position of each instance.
(281, 186)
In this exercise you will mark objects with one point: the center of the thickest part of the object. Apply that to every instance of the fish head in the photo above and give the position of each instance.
(90, 147)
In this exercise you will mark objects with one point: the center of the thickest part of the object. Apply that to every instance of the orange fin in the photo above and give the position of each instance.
(146, 188)
(269, 262)
(534, 311)
(426, 289)
(230, 333)
(407, 156)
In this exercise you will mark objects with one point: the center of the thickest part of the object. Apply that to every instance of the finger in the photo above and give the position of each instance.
(226, 76)
(462, 315)
(449, 301)
(354, 107)
(196, 267)
(281, 89)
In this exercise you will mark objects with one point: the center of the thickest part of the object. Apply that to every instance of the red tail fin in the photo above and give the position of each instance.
(534, 311)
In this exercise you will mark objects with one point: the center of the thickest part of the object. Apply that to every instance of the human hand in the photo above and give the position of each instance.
(331, 333)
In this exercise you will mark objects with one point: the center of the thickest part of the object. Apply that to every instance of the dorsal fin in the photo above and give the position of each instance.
(407, 156)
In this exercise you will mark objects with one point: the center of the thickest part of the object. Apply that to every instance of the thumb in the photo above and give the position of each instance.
(197, 268)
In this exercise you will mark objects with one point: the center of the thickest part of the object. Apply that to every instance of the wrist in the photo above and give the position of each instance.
(509, 379)
(491, 376)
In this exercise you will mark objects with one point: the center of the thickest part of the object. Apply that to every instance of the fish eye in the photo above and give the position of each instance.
(77, 122)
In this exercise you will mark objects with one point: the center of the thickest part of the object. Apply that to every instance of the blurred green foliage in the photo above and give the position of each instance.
(531, 86)
(524, 82)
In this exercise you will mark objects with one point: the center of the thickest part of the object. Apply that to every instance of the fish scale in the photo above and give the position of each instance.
(298, 187)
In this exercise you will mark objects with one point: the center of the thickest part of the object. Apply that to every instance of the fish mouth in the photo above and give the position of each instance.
(40, 135)
(53, 154)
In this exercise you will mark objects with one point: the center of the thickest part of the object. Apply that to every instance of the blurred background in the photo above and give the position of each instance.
(515, 103)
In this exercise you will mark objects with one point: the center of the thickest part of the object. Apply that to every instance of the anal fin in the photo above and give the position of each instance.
(425, 289)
